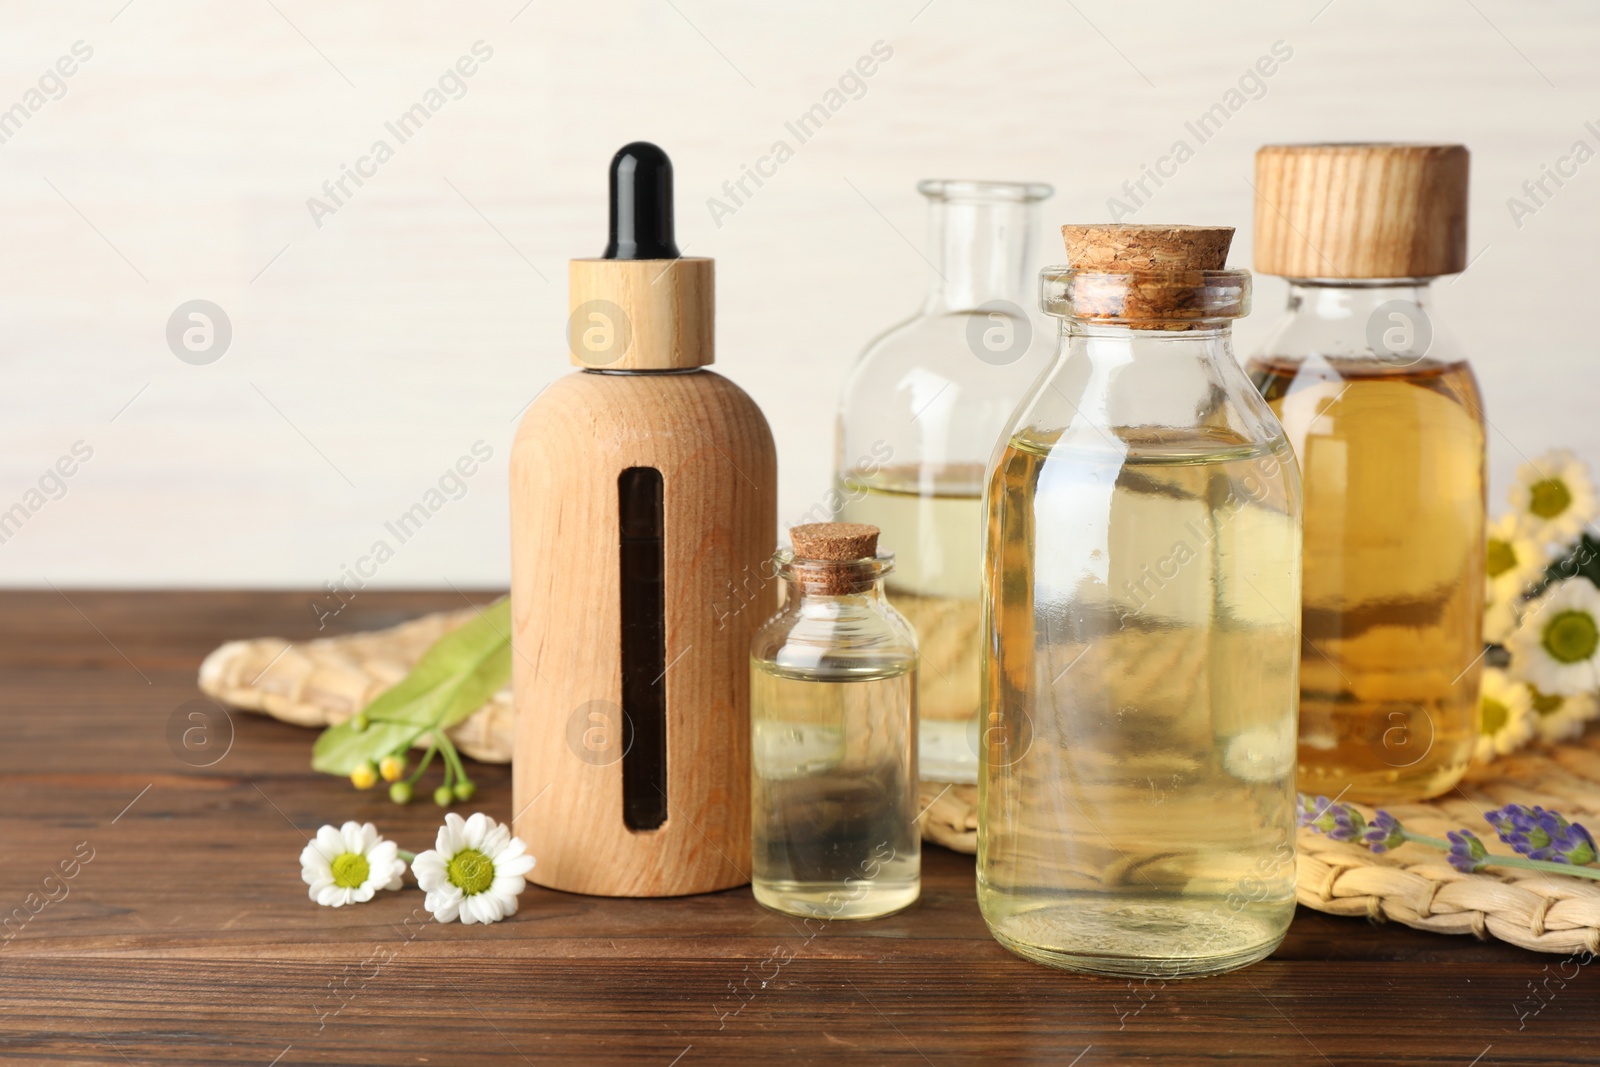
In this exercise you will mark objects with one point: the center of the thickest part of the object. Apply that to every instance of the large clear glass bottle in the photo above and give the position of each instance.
(1141, 586)
(833, 716)
(1385, 417)
(917, 425)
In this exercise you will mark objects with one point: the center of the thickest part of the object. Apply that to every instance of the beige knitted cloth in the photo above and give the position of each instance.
(326, 681)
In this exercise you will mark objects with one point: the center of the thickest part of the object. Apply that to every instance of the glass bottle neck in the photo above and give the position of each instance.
(866, 593)
(1387, 321)
(980, 249)
(1118, 343)
(1353, 302)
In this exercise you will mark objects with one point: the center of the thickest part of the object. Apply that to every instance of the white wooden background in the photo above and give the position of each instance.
(372, 352)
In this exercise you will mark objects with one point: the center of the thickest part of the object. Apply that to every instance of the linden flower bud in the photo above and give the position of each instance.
(464, 790)
(391, 768)
(359, 722)
(364, 776)
(400, 792)
(443, 796)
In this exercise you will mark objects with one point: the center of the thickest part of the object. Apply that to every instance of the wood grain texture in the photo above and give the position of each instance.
(189, 939)
(1361, 210)
(715, 454)
(653, 314)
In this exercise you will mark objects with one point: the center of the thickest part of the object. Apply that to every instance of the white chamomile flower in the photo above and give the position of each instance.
(1557, 647)
(1500, 617)
(1514, 560)
(1505, 716)
(348, 865)
(474, 872)
(1553, 497)
(1561, 718)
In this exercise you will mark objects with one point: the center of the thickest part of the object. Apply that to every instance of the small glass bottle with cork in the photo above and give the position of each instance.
(833, 717)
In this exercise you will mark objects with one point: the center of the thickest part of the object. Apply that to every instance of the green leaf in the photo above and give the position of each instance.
(340, 749)
(453, 679)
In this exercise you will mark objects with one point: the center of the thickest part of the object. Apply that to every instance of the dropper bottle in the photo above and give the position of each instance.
(643, 487)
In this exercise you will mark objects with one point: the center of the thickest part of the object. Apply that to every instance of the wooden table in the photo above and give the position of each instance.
(188, 936)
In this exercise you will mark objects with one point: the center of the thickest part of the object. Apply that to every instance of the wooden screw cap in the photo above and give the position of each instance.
(841, 542)
(1123, 248)
(1361, 210)
(641, 314)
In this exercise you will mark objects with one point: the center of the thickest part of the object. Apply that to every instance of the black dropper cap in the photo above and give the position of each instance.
(641, 204)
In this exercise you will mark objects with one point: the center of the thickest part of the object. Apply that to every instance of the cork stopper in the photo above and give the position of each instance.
(835, 558)
(1361, 210)
(834, 541)
(1147, 277)
(1123, 248)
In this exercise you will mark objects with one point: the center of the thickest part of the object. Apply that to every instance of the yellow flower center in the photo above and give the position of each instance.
(1571, 637)
(1492, 716)
(1549, 498)
(1502, 557)
(471, 871)
(1545, 705)
(350, 870)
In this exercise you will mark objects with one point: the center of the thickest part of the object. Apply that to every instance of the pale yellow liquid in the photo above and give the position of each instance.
(936, 537)
(1136, 807)
(834, 813)
(1394, 529)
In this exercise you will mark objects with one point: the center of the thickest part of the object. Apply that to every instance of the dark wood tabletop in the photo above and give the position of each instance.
(185, 934)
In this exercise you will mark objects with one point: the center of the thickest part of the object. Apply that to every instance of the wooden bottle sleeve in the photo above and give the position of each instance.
(719, 469)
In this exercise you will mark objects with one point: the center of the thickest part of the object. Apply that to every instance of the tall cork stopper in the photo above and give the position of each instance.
(1149, 277)
(835, 558)
(1123, 248)
(1361, 210)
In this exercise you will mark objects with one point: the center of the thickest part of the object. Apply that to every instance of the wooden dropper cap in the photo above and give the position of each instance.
(1361, 210)
(835, 558)
(641, 306)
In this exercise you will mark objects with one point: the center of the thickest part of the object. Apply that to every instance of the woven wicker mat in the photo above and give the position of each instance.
(1414, 885)
(323, 682)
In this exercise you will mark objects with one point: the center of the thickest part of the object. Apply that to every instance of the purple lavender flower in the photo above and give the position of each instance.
(1340, 822)
(1467, 853)
(1542, 835)
(1578, 847)
(1384, 833)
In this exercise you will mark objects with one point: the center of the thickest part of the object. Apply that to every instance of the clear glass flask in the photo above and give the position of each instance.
(1385, 417)
(917, 423)
(1141, 586)
(833, 716)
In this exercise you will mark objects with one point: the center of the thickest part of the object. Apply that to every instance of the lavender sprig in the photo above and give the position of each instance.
(1544, 840)
(1542, 835)
(1341, 822)
(1467, 853)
